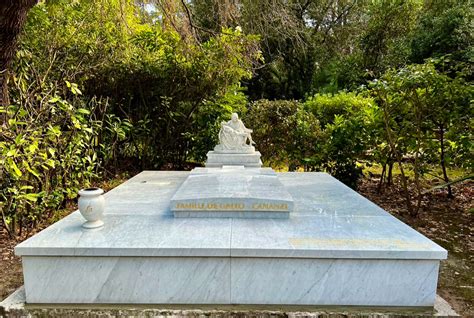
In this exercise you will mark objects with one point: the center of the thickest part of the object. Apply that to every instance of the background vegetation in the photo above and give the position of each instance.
(97, 87)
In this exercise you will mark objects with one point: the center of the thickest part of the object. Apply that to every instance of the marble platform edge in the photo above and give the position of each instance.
(338, 254)
(15, 306)
(219, 165)
(123, 252)
(226, 252)
(216, 199)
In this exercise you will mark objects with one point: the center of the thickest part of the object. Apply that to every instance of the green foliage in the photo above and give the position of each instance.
(427, 119)
(348, 125)
(421, 100)
(383, 42)
(444, 27)
(155, 79)
(170, 85)
(103, 86)
(47, 154)
(328, 132)
(285, 133)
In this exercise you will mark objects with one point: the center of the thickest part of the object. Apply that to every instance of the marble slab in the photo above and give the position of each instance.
(334, 282)
(232, 192)
(214, 280)
(132, 235)
(118, 280)
(329, 220)
(249, 160)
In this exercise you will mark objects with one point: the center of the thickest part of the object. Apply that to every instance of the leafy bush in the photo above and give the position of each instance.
(157, 80)
(139, 93)
(426, 117)
(348, 124)
(47, 154)
(172, 85)
(327, 132)
(284, 132)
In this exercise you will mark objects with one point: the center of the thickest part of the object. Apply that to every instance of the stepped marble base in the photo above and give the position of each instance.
(249, 160)
(232, 192)
(337, 249)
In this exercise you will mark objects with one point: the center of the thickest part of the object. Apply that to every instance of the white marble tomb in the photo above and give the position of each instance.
(336, 248)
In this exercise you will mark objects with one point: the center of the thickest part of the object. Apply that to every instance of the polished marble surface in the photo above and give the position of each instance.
(329, 221)
(352, 282)
(232, 191)
(226, 280)
(137, 280)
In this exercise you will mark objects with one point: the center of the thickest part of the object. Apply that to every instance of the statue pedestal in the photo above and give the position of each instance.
(219, 159)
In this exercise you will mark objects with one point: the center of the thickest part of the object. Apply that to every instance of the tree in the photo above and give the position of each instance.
(12, 18)
(444, 27)
(297, 37)
(426, 116)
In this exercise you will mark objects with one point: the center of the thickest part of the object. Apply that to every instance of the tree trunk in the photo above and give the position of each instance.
(443, 161)
(416, 162)
(390, 172)
(12, 18)
(382, 176)
(398, 157)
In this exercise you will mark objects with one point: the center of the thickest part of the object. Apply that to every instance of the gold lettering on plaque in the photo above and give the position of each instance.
(239, 206)
(210, 206)
(270, 206)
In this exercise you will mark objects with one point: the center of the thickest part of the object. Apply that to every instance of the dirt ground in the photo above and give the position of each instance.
(446, 221)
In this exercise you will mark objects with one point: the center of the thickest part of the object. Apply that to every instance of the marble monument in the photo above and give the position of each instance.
(209, 237)
(235, 147)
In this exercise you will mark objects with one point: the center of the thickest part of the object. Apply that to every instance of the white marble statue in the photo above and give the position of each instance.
(233, 137)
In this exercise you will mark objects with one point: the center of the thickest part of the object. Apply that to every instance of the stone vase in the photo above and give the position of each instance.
(91, 205)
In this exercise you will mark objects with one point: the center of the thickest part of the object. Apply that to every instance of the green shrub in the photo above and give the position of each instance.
(47, 153)
(427, 120)
(348, 124)
(284, 132)
(140, 94)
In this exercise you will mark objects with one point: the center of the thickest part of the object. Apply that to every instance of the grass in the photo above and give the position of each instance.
(434, 173)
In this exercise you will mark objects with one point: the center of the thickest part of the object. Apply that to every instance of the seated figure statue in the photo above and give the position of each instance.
(233, 137)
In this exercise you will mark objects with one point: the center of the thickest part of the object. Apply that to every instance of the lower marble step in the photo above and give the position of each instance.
(230, 280)
(15, 306)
